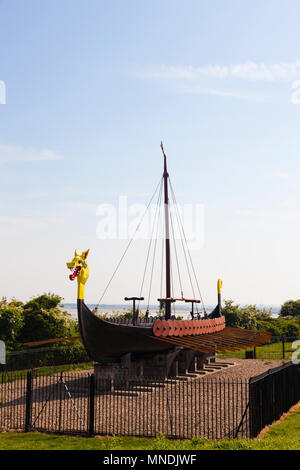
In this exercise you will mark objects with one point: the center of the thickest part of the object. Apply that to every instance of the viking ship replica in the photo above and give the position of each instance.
(157, 345)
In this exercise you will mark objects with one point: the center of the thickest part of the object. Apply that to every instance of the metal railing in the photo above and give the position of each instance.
(271, 394)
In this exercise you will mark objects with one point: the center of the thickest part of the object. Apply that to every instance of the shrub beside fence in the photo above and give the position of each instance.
(77, 403)
(46, 356)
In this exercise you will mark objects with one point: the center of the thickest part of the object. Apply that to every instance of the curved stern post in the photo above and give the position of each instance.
(219, 288)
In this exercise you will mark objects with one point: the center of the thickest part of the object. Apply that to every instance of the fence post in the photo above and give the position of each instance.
(92, 405)
(28, 401)
(251, 410)
(283, 349)
(60, 400)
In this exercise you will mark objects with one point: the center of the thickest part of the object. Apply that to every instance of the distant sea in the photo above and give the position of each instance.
(153, 309)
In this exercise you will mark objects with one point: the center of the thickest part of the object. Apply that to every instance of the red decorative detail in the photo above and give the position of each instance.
(165, 328)
(157, 328)
(171, 324)
(181, 328)
(75, 273)
(176, 328)
(186, 327)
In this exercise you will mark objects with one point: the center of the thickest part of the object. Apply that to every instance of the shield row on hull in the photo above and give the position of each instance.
(188, 327)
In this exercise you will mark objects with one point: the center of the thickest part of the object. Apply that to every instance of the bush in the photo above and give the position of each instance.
(74, 353)
(239, 317)
(43, 319)
(39, 319)
(11, 322)
(291, 308)
(285, 329)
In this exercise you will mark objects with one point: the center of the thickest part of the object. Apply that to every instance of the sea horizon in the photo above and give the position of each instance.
(112, 309)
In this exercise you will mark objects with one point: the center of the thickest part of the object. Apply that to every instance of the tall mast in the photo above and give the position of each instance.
(167, 237)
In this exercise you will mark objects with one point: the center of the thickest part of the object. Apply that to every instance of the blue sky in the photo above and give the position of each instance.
(92, 87)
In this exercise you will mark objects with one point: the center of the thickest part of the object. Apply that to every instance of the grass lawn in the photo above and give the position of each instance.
(46, 370)
(267, 351)
(281, 436)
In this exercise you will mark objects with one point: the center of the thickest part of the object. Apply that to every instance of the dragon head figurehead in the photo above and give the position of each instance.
(80, 270)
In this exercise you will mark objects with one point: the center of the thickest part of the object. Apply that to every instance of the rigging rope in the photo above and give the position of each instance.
(128, 245)
(155, 244)
(175, 249)
(157, 210)
(181, 225)
(184, 252)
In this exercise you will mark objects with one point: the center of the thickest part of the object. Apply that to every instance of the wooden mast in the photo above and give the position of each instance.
(167, 237)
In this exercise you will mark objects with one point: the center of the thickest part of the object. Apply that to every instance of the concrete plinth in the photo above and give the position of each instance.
(161, 365)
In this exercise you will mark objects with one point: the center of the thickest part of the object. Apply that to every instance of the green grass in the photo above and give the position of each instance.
(267, 351)
(282, 436)
(49, 370)
(46, 370)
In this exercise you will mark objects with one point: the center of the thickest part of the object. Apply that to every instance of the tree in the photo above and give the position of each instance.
(240, 317)
(280, 328)
(11, 322)
(291, 308)
(43, 319)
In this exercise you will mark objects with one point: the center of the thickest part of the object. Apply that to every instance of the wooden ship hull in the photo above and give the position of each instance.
(105, 340)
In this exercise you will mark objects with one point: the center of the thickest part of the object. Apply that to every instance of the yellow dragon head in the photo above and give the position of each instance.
(80, 269)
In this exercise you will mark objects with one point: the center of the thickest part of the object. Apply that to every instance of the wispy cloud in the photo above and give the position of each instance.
(280, 175)
(17, 221)
(16, 153)
(250, 71)
(83, 206)
(248, 80)
(280, 213)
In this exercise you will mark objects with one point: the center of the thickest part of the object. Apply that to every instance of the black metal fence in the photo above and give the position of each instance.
(271, 394)
(78, 403)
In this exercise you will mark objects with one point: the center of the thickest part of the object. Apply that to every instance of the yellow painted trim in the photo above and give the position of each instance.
(80, 291)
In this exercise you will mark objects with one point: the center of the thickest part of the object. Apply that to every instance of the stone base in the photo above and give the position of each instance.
(176, 363)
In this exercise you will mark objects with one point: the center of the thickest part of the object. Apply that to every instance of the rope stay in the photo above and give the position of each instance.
(154, 253)
(129, 243)
(176, 256)
(183, 232)
(183, 247)
(156, 215)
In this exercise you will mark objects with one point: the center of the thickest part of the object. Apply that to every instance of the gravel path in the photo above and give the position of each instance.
(245, 368)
